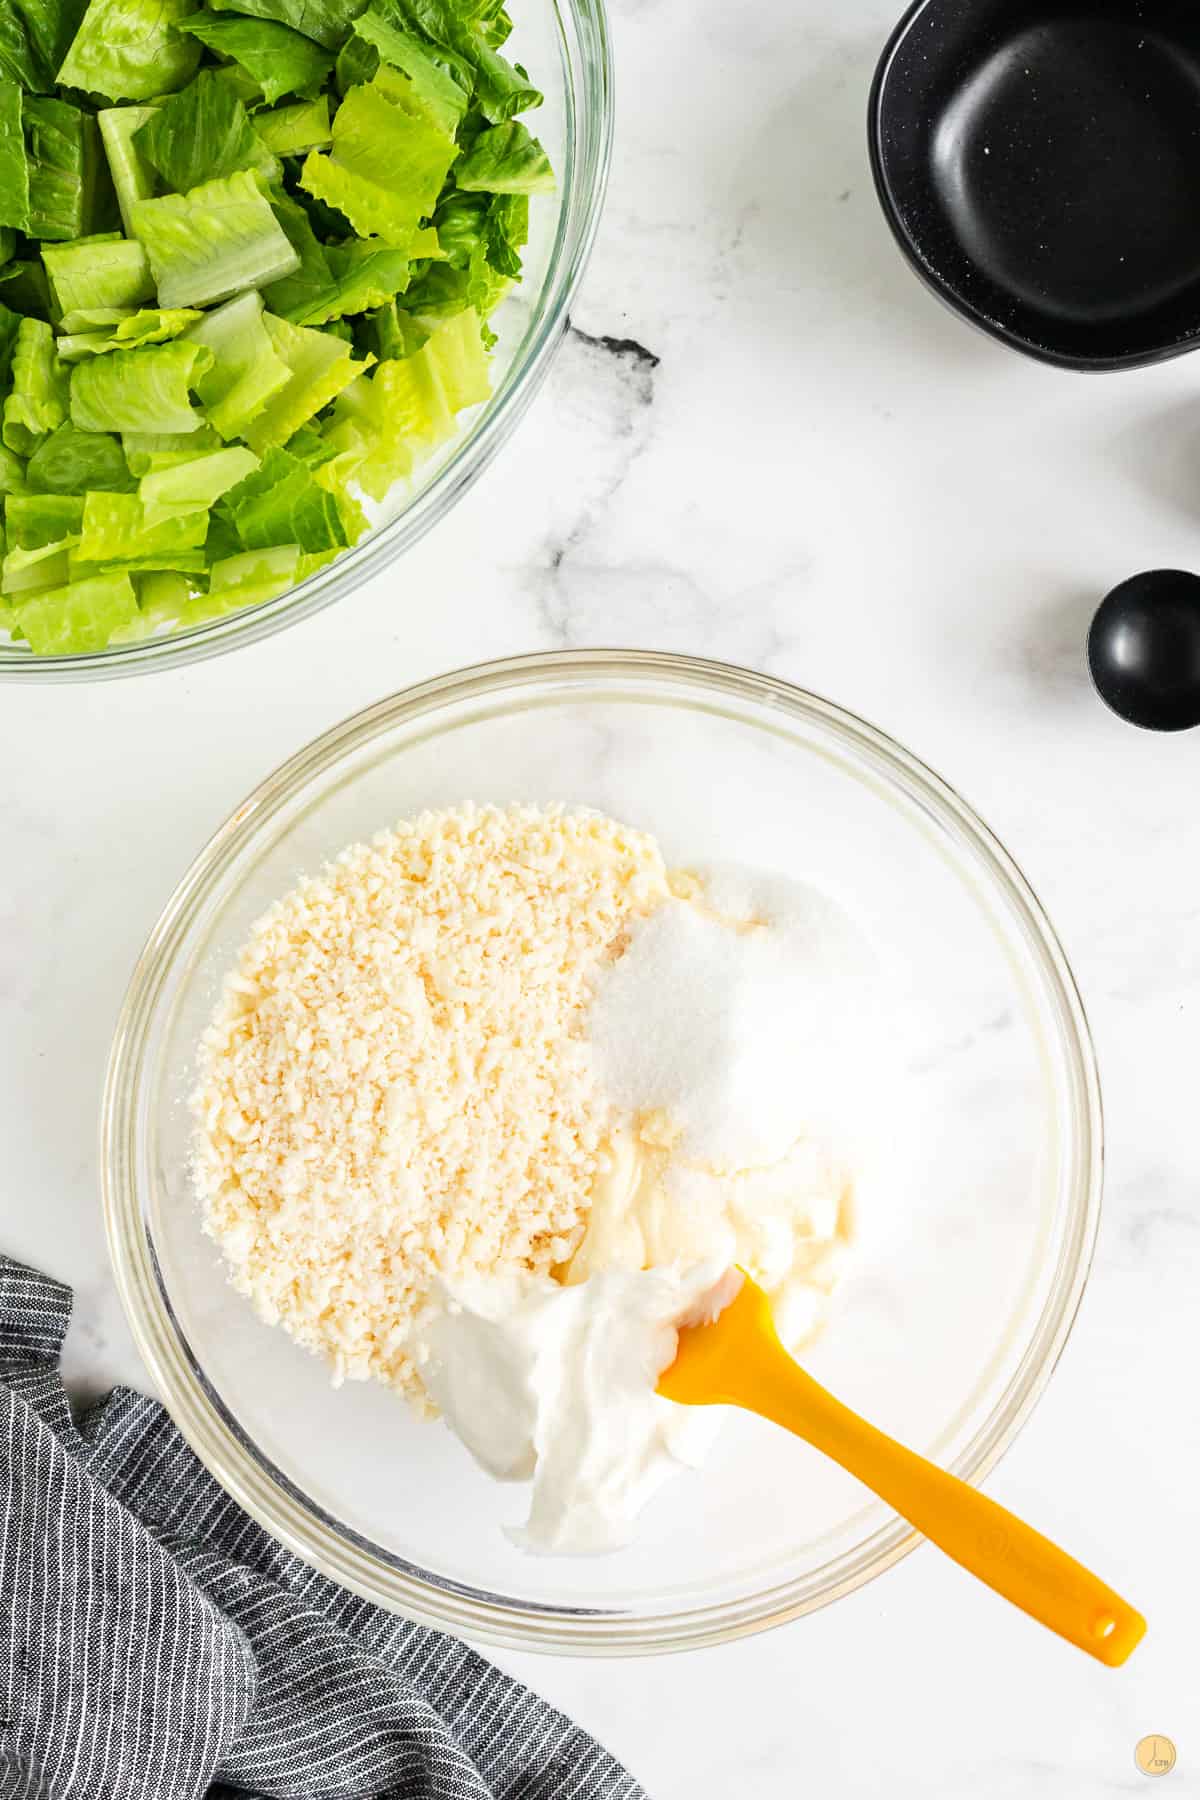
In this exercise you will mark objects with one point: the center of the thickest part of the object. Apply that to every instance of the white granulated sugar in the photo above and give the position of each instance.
(396, 1085)
(746, 1038)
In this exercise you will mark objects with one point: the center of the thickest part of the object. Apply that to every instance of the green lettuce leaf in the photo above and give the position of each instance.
(63, 147)
(405, 408)
(326, 22)
(483, 228)
(12, 474)
(115, 529)
(212, 242)
(130, 173)
(163, 596)
(32, 521)
(291, 130)
(25, 572)
(195, 485)
(24, 288)
(386, 169)
(149, 327)
(321, 366)
(277, 59)
(313, 273)
(10, 325)
(14, 167)
(107, 271)
(282, 504)
(37, 404)
(82, 616)
(366, 274)
(390, 333)
(139, 390)
(499, 88)
(505, 159)
(34, 36)
(71, 462)
(425, 87)
(131, 49)
(146, 451)
(201, 134)
(246, 372)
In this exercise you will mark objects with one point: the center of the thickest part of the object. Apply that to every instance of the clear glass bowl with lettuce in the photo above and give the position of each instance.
(277, 278)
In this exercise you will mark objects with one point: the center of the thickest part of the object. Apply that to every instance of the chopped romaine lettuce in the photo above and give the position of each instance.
(291, 130)
(80, 616)
(37, 404)
(277, 59)
(148, 450)
(26, 572)
(386, 168)
(14, 167)
(34, 520)
(201, 134)
(139, 390)
(213, 241)
(108, 271)
(364, 275)
(34, 35)
(505, 159)
(72, 462)
(193, 486)
(131, 49)
(320, 203)
(406, 407)
(13, 476)
(321, 366)
(326, 22)
(131, 175)
(155, 326)
(67, 175)
(252, 577)
(282, 504)
(246, 370)
(427, 87)
(115, 529)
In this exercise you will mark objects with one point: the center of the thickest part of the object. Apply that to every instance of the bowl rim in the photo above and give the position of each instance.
(584, 183)
(958, 304)
(270, 1498)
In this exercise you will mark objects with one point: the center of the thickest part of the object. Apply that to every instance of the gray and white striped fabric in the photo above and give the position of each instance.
(155, 1644)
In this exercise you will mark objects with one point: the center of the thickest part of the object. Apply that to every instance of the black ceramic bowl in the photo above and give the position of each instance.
(1039, 164)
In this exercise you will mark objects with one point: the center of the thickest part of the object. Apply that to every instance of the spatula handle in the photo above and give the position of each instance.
(983, 1537)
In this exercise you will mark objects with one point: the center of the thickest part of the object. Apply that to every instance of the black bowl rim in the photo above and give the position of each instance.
(962, 308)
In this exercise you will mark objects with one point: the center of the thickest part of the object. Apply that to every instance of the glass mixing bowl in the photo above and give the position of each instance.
(565, 46)
(975, 1241)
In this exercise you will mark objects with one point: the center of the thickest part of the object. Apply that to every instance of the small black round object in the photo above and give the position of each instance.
(1144, 650)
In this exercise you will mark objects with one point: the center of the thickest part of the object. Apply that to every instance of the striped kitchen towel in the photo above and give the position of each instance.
(155, 1644)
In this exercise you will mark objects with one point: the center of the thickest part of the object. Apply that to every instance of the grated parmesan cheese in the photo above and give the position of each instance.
(396, 1086)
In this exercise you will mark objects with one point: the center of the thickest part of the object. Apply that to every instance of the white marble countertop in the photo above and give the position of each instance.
(798, 462)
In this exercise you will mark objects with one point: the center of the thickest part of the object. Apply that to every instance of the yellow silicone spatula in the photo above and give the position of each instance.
(738, 1361)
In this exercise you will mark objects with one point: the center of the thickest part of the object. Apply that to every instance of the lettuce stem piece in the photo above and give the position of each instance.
(95, 272)
(132, 176)
(212, 242)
